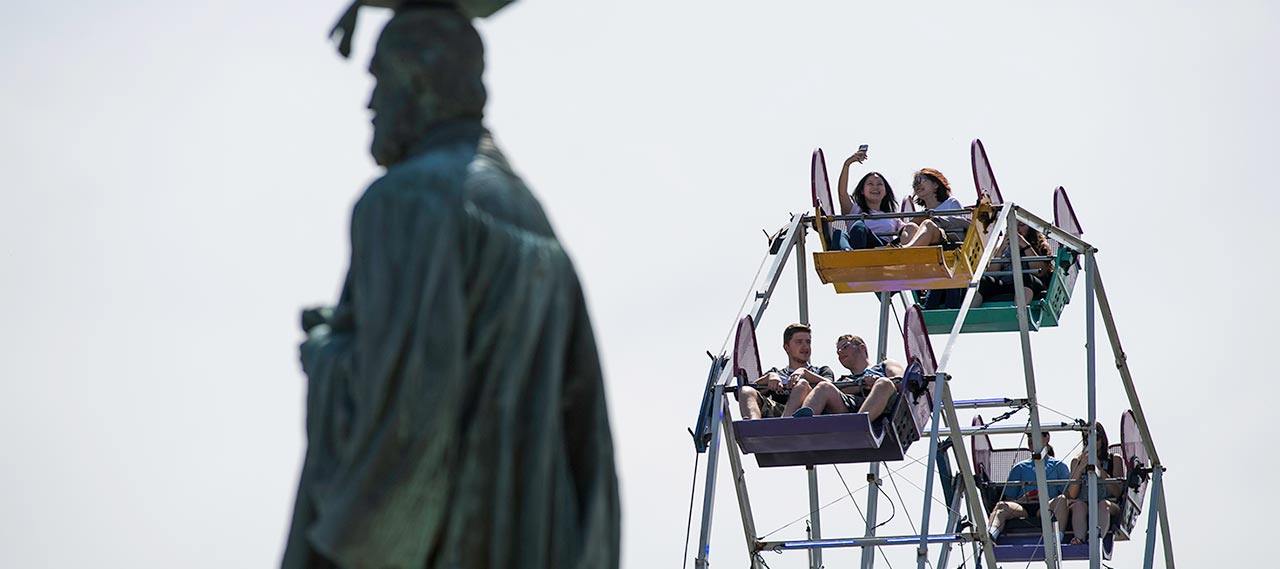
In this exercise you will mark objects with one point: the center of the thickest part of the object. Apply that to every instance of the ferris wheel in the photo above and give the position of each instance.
(970, 279)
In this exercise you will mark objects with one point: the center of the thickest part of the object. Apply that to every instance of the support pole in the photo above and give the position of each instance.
(1095, 549)
(815, 516)
(922, 550)
(802, 281)
(1153, 514)
(1028, 369)
(1126, 378)
(740, 486)
(815, 521)
(953, 520)
(1164, 521)
(873, 469)
(795, 232)
(943, 389)
(709, 494)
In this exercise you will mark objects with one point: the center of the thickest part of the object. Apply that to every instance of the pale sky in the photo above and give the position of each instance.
(177, 181)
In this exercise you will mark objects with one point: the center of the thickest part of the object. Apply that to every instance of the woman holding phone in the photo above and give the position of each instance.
(872, 195)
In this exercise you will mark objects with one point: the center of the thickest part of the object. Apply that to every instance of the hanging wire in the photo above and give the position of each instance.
(896, 317)
(850, 493)
(688, 524)
(860, 514)
(829, 504)
(878, 549)
(1064, 415)
(904, 504)
(918, 487)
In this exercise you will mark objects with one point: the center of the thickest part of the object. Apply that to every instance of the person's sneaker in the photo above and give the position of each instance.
(803, 412)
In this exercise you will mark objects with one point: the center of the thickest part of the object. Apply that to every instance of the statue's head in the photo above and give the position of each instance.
(427, 66)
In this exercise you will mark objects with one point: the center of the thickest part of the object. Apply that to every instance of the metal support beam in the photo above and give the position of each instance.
(739, 483)
(795, 232)
(1020, 429)
(1153, 514)
(1051, 231)
(945, 403)
(815, 514)
(922, 550)
(873, 469)
(709, 494)
(1164, 521)
(953, 520)
(1126, 378)
(1028, 369)
(1091, 448)
(863, 542)
(990, 403)
(815, 520)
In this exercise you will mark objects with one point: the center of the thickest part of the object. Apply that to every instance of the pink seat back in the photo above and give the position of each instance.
(746, 356)
(983, 178)
(821, 189)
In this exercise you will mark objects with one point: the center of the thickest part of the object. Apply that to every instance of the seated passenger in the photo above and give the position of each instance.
(871, 195)
(872, 394)
(1076, 497)
(1032, 244)
(1021, 501)
(932, 192)
(780, 392)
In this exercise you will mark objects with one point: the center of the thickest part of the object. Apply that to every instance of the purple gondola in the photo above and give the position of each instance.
(845, 437)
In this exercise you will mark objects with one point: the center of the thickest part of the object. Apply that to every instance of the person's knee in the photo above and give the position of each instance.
(801, 385)
(883, 384)
(830, 393)
(748, 392)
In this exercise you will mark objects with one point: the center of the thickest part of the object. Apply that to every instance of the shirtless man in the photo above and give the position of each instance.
(871, 394)
(780, 392)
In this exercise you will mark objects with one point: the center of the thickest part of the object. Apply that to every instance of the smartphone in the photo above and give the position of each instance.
(862, 148)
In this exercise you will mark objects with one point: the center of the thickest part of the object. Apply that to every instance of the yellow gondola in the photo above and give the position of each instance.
(892, 269)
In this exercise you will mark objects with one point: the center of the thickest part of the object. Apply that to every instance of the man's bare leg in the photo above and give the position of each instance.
(799, 391)
(749, 403)
(881, 391)
(1003, 512)
(824, 396)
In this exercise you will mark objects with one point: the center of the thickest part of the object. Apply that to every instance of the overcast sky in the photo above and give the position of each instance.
(177, 179)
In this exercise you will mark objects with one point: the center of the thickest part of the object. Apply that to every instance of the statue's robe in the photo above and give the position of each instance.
(455, 412)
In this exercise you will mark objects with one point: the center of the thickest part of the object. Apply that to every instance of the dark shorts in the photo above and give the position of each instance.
(769, 408)
(953, 229)
(854, 402)
(1032, 508)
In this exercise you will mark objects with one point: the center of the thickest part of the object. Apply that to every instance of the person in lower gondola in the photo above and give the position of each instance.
(1020, 497)
(1075, 500)
(872, 392)
(780, 391)
(1031, 243)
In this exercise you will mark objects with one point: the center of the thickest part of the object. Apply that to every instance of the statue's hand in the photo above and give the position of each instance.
(316, 316)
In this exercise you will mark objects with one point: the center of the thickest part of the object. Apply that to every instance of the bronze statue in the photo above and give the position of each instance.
(455, 409)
